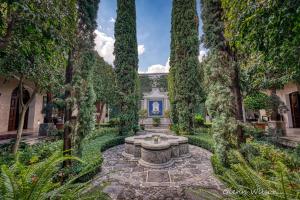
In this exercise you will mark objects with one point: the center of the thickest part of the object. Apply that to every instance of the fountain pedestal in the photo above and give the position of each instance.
(156, 150)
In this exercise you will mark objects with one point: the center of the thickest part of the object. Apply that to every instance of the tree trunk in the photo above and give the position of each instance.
(49, 109)
(23, 108)
(238, 105)
(101, 110)
(274, 114)
(20, 129)
(68, 110)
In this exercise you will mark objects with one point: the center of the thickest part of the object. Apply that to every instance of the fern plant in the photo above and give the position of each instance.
(246, 183)
(35, 182)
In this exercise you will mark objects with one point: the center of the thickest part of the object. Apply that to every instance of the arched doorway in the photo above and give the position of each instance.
(14, 110)
(295, 108)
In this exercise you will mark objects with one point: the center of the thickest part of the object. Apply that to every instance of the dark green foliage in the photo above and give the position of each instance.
(37, 181)
(87, 10)
(29, 154)
(277, 182)
(222, 80)
(86, 98)
(146, 83)
(217, 165)
(268, 35)
(82, 73)
(256, 101)
(260, 167)
(126, 65)
(104, 81)
(213, 25)
(219, 102)
(93, 145)
(113, 142)
(203, 140)
(184, 78)
(162, 83)
(251, 131)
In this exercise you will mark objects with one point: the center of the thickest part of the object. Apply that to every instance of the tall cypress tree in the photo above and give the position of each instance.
(171, 76)
(184, 62)
(78, 76)
(224, 100)
(126, 64)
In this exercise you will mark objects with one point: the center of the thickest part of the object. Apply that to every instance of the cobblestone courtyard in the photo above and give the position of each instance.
(125, 179)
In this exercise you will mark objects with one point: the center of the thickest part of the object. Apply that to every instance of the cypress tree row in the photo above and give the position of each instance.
(222, 78)
(78, 78)
(171, 76)
(126, 64)
(184, 63)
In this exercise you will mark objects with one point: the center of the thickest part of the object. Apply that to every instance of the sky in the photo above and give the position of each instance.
(153, 33)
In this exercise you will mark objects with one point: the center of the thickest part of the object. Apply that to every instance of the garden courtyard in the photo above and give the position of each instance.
(150, 100)
(185, 179)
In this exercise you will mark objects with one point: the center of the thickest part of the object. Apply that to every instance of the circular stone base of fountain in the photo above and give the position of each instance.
(156, 150)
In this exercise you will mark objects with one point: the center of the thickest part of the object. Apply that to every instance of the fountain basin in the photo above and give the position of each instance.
(156, 150)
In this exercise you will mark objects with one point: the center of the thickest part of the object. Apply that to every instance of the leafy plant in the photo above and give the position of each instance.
(167, 113)
(246, 183)
(256, 101)
(199, 120)
(143, 115)
(156, 121)
(35, 182)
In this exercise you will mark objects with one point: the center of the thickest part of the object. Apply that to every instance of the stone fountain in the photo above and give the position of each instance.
(156, 150)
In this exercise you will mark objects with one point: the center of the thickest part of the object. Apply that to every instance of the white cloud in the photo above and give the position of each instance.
(105, 47)
(112, 20)
(158, 68)
(202, 55)
(141, 49)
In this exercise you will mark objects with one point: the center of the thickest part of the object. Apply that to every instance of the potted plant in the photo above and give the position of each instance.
(276, 107)
(254, 103)
(156, 121)
(143, 115)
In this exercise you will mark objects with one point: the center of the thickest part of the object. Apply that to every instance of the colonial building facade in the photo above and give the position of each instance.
(155, 98)
(9, 107)
(290, 96)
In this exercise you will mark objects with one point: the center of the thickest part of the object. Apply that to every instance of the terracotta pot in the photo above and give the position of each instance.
(260, 125)
(60, 126)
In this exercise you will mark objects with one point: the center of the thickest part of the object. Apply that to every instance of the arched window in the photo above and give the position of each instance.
(14, 109)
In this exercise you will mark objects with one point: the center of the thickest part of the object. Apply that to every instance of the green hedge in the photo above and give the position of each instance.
(91, 154)
(112, 142)
(204, 140)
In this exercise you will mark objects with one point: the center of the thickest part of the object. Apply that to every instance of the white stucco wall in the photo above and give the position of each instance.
(35, 115)
(283, 94)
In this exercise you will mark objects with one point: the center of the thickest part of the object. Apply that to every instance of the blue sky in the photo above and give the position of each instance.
(153, 32)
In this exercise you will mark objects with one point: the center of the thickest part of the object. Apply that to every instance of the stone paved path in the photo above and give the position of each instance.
(125, 179)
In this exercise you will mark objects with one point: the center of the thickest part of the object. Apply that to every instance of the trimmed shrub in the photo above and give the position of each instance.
(217, 165)
(112, 142)
(202, 140)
